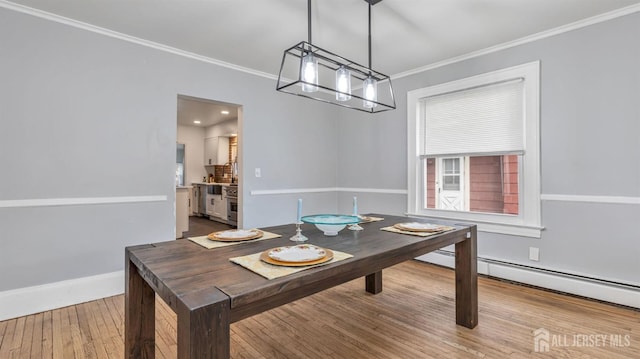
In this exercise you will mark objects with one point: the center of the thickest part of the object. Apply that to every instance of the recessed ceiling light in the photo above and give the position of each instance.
(224, 112)
(196, 122)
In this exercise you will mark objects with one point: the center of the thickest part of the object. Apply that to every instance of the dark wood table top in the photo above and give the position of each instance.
(183, 269)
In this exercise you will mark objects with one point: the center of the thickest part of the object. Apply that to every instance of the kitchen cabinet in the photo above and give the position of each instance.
(216, 207)
(182, 210)
(216, 150)
(193, 204)
(211, 198)
(220, 208)
(210, 151)
(223, 150)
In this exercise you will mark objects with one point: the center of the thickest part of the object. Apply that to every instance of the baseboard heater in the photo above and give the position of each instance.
(619, 293)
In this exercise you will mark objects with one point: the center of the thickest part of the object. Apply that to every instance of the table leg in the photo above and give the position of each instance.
(467, 280)
(373, 282)
(204, 331)
(139, 303)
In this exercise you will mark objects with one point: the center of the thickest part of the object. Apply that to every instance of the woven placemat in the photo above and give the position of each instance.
(253, 263)
(371, 219)
(419, 234)
(209, 244)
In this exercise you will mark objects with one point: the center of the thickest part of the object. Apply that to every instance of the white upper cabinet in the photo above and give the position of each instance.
(210, 151)
(216, 150)
(223, 150)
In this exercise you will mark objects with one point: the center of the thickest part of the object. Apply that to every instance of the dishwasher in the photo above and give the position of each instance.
(201, 200)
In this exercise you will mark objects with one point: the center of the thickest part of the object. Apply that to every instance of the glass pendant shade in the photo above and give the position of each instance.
(309, 73)
(370, 92)
(343, 84)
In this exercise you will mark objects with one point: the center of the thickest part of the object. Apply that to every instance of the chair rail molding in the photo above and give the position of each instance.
(46, 202)
(325, 189)
(590, 198)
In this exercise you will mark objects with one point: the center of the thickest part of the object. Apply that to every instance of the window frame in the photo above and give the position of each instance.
(528, 221)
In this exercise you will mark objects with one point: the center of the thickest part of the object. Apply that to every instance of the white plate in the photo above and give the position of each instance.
(236, 233)
(297, 254)
(420, 226)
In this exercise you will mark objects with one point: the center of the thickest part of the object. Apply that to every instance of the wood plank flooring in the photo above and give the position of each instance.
(413, 317)
(200, 226)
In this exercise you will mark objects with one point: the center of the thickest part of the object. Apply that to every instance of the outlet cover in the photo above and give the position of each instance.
(534, 254)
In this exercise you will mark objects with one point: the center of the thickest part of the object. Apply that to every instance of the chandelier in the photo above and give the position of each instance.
(315, 73)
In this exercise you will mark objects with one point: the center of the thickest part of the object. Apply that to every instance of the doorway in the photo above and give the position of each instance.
(451, 181)
(210, 132)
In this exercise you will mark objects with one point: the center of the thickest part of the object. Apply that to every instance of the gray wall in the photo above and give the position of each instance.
(590, 145)
(85, 115)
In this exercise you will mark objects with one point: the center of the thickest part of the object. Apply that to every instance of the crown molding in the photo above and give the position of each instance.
(524, 40)
(114, 34)
(132, 39)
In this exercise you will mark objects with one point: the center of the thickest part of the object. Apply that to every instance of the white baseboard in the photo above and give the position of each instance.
(574, 285)
(24, 301)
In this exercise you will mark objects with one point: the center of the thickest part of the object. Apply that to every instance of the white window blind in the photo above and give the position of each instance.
(482, 120)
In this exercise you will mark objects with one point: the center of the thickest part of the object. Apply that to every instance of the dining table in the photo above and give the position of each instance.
(208, 291)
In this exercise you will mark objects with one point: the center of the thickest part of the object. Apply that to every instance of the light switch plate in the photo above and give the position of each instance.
(258, 172)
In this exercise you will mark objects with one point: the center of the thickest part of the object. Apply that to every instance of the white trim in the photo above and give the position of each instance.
(263, 192)
(44, 202)
(491, 227)
(559, 282)
(372, 190)
(128, 38)
(590, 199)
(24, 301)
(545, 197)
(524, 40)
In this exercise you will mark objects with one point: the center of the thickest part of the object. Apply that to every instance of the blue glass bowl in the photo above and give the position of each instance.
(330, 224)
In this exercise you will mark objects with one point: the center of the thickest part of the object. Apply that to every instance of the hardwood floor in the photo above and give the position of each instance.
(199, 226)
(413, 317)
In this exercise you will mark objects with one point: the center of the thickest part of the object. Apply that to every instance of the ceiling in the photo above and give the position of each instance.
(407, 34)
(207, 112)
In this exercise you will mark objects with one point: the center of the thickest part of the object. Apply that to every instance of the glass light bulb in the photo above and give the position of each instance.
(343, 84)
(370, 92)
(309, 73)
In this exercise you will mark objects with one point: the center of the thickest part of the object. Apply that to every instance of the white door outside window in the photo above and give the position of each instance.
(450, 186)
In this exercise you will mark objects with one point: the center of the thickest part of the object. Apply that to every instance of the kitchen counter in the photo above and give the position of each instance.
(184, 187)
(214, 184)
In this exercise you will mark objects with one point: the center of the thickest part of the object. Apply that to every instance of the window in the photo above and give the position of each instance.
(472, 183)
(474, 151)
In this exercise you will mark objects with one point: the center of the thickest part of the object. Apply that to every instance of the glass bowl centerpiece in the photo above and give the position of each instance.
(330, 224)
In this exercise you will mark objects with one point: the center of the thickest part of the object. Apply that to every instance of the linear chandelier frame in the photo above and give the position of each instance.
(312, 72)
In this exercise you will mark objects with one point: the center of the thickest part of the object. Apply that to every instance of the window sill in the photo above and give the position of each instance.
(520, 230)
